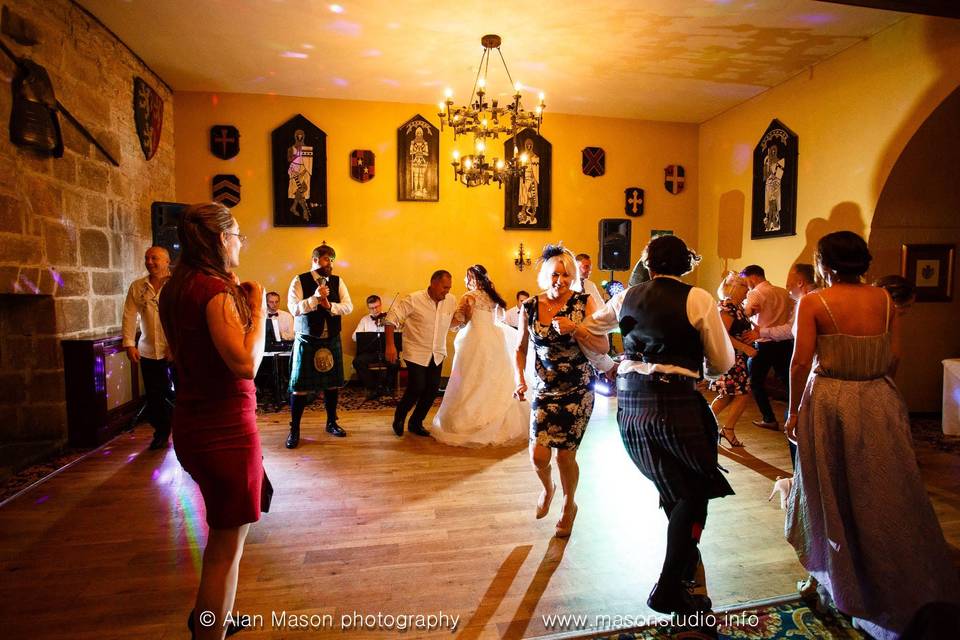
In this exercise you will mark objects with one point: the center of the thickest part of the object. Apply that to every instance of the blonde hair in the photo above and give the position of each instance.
(548, 265)
(731, 282)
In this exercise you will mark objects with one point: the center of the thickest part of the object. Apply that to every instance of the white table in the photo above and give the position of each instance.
(951, 397)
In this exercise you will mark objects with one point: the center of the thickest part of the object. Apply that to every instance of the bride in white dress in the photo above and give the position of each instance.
(478, 407)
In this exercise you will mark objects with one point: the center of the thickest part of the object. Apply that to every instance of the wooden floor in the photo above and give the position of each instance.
(372, 524)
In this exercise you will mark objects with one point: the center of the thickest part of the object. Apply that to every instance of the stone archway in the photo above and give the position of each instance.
(920, 203)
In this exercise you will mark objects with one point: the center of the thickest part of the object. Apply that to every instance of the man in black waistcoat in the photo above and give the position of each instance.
(318, 300)
(667, 428)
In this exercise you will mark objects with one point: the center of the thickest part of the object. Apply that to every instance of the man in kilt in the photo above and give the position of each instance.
(668, 430)
(318, 300)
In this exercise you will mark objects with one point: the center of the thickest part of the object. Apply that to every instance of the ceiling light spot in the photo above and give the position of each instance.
(340, 82)
(336, 8)
(372, 53)
(390, 82)
(294, 54)
(307, 45)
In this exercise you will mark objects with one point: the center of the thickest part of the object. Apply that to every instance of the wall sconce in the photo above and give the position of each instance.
(523, 258)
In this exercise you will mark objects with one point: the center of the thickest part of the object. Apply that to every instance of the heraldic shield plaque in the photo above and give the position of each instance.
(774, 209)
(526, 202)
(299, 152)
(148, 116)
(362, 165)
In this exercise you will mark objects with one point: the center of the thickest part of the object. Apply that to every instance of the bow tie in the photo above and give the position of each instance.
(273, 314)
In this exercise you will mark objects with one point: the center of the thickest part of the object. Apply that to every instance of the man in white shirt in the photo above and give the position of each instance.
(141, 309)
(585, 267)
(669, 328)
(318, 300)
(767, 306)
(373, 381)
(424, 316)
(511, 316)
(279, 322)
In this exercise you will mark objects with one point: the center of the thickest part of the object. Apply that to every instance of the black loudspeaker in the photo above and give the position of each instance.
(615, 244)
(165, 218)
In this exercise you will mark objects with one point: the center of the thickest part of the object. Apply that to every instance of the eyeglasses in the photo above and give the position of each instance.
(242, 238)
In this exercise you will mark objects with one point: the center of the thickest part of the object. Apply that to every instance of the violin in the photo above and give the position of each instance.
(380, 318)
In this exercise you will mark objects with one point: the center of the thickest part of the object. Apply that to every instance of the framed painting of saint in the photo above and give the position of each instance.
(774, 212)
(299, 157)
(418, 161)
(526, 203)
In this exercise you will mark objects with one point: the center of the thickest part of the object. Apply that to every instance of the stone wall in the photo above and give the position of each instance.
(73, 229)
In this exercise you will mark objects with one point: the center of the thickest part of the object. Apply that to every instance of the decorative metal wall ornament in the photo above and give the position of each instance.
(774, 209)
(527, 195)
(674, 178)
(593, 162)
(226, 189)
(633, 206)
(148, 116)
(418, 158)
(224, 141)
(299, 157)
(362, 165)
(33, 114)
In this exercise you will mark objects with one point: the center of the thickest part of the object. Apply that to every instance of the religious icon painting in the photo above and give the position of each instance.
(147, 116)
(226, 190)
(674, 178)
(527, 194)
(299, 157)
(362, 165)
(593, 162)
(418, 161)
(774, 207)
(633, 206)
(224, 141)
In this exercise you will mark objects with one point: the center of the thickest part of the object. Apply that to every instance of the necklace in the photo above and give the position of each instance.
(553, 308)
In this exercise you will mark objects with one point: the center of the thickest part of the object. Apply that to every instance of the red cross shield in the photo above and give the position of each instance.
(673, 178)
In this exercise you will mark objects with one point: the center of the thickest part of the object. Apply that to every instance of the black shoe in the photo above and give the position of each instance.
(398, 427)
(334, 429)
(158, 442)
(293, 438)
(677, 600)
(418, 430)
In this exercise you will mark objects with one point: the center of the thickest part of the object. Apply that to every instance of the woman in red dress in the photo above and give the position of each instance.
(215, 329)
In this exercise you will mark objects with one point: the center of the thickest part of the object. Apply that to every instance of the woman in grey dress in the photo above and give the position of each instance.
(857, 483)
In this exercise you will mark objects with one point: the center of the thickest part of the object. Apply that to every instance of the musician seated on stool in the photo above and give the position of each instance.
(279, 335)
(279, 324)
(373, 380)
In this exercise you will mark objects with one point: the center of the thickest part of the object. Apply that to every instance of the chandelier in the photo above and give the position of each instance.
(486, 119)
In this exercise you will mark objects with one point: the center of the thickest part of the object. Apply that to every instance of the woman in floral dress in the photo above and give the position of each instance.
(733, 387)
(562, 400)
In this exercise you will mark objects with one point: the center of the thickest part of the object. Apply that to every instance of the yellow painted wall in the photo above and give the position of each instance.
(385, 246)
(853, 114)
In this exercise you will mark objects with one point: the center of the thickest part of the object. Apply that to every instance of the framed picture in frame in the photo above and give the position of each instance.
(418, 157)
(774, 210)
(299, 161)
(929, 268)
(526, 197)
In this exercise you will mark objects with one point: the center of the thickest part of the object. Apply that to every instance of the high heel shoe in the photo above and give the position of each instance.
(543, 506)
(565, 531)
(784, 486)
(728, 434)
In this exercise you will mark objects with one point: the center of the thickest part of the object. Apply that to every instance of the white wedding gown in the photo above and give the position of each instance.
(478, 407)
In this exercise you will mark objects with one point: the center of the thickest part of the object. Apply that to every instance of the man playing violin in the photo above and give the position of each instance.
(373, 382)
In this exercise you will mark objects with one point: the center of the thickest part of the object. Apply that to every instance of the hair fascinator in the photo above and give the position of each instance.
(552, 251)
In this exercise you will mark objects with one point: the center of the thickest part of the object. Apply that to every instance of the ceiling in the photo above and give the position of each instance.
(669, 60)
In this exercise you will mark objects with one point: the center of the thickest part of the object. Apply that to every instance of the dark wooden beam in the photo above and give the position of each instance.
(942, 8)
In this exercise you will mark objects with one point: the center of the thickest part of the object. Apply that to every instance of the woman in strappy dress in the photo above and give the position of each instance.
(858, 514)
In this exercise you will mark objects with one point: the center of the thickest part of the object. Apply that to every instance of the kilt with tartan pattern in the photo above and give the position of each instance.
(317, 364)
(670, 433)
